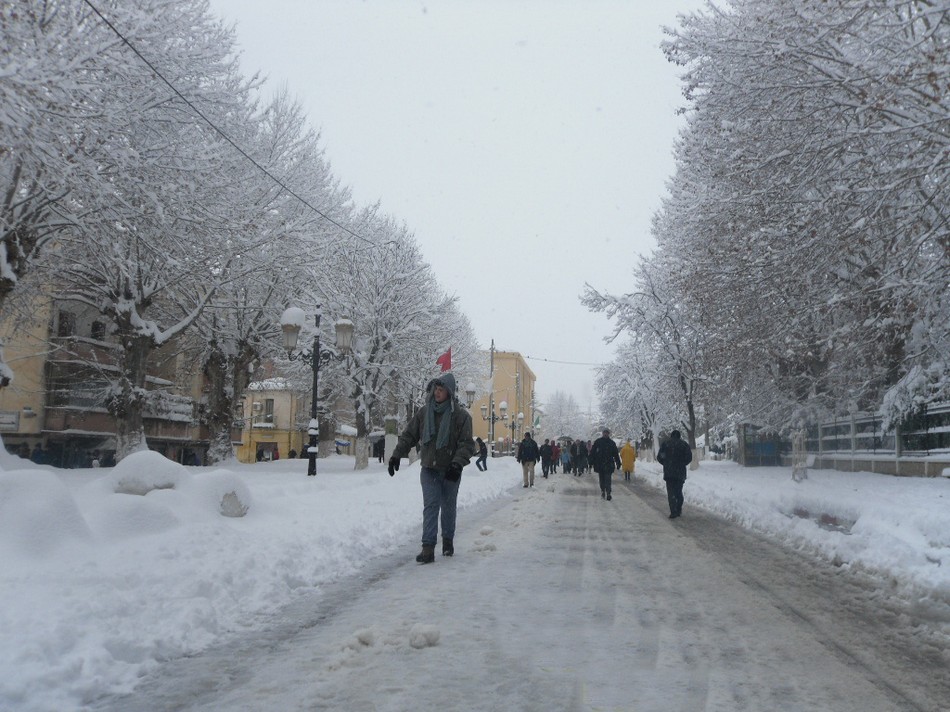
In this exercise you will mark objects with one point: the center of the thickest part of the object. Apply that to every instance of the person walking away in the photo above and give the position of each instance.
(528, 457)
(628, 459)
(545, 452)
(555, 456)
(674, 455)
(482, 462)
(443, 428)
(605, 459)
(566, 459)
(579, 455)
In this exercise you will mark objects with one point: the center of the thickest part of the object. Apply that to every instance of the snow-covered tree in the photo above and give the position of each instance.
(159, 246)
(282, 235)
(655, 320)
(403, 319)
(563, 417)
(805, 233)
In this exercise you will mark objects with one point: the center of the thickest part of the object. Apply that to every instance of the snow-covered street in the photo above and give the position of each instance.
(558, 600)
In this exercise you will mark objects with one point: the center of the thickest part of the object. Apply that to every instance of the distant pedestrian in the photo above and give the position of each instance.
(628, 459)
(579, 457)
(566, 459)
(674, 455)
(528, 456)
(605, 459)
(482, 462)
(555, 456)
(443, 428)
(545, 452)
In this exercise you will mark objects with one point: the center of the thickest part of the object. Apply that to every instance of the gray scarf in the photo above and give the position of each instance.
(428, 427)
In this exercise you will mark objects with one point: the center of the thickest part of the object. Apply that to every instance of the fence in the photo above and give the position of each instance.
(918, 447)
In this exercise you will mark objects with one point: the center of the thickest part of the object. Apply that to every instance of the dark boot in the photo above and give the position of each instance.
(447, 548)
(427, 555)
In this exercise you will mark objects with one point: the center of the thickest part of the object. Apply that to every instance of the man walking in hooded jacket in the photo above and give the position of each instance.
(674, 455)
(444, 428)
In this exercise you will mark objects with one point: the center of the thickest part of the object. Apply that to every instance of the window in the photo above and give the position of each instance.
(66, 324)
(98, 331)
(269, 410)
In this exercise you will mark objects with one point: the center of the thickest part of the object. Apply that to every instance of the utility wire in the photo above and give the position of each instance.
(569, 363)
(219, 131)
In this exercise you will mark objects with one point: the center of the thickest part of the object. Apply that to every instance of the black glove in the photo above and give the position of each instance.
(393, 465)
(454, 472)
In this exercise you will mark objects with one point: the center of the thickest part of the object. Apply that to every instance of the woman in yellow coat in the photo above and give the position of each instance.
(628, 458)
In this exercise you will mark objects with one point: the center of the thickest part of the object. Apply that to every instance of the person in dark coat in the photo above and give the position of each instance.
(443, 428)
(674, 455)
(546, 453)
(605, 458)
(579, 456)
(528, 457)
(482, 461)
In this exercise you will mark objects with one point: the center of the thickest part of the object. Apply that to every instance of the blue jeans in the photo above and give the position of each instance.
(438, 494)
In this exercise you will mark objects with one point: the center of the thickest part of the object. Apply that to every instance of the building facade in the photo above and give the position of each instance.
(63, 360)
(512, 393)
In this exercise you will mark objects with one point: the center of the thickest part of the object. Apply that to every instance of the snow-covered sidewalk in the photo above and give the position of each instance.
(98, 587)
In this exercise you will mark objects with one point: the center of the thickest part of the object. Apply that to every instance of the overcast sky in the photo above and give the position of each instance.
(525, 144)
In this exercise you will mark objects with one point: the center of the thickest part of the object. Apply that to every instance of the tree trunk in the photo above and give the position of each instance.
(327, 438)
(362, 453)
(227, 380)
(129, 396)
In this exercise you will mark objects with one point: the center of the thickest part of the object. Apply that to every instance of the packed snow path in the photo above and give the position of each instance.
(558, 600)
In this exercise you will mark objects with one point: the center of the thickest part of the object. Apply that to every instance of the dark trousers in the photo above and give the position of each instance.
(481, 463)
(605, 476)
(545, 466)
(674, 493)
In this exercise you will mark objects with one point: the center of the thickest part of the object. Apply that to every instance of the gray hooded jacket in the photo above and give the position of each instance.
(460, 447)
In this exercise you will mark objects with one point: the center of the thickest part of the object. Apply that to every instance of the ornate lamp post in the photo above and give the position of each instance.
(469, 394)
(291, 322)
(516, 423)
(493, 418)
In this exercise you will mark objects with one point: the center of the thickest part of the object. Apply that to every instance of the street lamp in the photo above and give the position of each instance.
(516, 422)
(469, 394)
(493, 418)
(291, 321)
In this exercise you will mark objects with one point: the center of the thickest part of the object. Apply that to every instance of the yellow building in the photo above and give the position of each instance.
(276, 417)
(511, 396)
(63, 359)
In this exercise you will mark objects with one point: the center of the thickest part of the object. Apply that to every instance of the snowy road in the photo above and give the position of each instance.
(558, 600)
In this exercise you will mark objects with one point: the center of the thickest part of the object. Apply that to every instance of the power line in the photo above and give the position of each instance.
(219, 131)
(569, 363)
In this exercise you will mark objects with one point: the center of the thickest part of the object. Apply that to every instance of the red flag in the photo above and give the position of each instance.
(445, 360)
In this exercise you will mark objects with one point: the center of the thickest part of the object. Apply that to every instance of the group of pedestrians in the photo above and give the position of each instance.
(442, 430)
